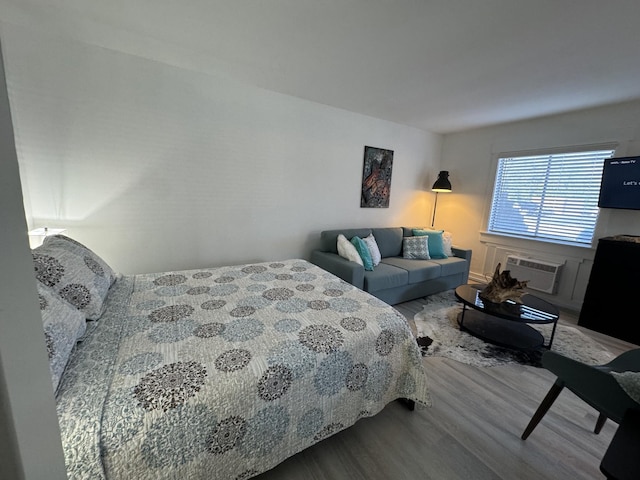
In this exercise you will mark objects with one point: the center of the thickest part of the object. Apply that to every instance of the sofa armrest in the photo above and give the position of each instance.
(341, 267)
(462, 253)
(466, 254)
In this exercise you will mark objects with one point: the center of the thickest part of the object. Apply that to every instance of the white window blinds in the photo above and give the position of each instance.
(552, 197)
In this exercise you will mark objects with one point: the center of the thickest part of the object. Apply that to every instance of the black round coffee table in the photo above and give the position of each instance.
(507, 324)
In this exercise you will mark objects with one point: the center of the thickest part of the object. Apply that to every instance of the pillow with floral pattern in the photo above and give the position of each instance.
(74, 273)
(63, 326)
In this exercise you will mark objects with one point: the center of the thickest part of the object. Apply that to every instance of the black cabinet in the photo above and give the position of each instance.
(612, 300)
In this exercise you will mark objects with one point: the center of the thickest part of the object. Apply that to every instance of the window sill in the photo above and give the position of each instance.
(491, 237)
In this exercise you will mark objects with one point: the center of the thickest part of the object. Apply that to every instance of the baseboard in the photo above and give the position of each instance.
(475, 277)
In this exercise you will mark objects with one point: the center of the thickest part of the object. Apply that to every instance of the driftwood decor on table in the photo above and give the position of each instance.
(503, 287)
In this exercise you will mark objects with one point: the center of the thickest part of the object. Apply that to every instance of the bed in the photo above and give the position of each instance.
(214, 373)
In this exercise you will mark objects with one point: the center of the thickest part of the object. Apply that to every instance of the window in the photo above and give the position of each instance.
(551, 197)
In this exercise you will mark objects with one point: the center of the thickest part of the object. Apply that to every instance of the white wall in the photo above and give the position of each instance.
(160, 168)
(29, 437)
(471, 157)
(157, 168)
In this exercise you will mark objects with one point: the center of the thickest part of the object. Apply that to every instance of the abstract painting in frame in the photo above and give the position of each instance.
(376, 177)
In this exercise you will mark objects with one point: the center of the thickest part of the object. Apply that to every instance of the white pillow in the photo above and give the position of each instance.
(447, 240)
(348, 251)
(372, 245)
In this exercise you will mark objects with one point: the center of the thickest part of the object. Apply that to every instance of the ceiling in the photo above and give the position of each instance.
(439, 65)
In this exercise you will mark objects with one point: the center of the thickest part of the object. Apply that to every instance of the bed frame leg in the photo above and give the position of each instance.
(410, 404)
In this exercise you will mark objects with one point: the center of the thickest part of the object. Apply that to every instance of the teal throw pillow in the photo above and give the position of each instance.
(363, 251)
(436, 242)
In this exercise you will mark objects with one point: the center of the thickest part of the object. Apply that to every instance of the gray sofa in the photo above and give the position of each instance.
(395, 279)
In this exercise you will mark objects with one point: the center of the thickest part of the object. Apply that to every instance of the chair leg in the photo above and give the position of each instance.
(553, 393)
(602, 418)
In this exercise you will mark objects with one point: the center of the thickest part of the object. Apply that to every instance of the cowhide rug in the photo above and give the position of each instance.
(439, 336)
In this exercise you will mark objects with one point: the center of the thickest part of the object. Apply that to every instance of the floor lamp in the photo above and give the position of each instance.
(442, 184)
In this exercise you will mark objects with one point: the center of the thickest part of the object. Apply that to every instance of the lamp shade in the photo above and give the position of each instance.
(442, 184)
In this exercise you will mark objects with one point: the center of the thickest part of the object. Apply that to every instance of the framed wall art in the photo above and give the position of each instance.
(376, 177)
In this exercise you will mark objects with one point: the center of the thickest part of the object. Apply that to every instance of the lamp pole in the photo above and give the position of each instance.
(435, 205)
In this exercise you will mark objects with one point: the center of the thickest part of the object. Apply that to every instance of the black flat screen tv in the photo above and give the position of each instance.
(620, 186)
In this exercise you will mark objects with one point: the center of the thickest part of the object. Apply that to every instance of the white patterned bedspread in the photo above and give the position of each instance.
(223, 373)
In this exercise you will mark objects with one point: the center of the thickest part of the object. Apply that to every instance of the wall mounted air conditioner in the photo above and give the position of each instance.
(541, 274)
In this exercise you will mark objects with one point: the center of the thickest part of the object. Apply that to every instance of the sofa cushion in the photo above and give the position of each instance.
(408, 231)
(329, 238)
(385, 276)
(418, 270)
(451, 265)
(389, 241)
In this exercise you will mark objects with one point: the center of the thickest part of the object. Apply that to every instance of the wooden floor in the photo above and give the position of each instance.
(472, 431)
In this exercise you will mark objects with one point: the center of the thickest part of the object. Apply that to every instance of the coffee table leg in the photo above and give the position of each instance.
(553, 334)
(461, 317)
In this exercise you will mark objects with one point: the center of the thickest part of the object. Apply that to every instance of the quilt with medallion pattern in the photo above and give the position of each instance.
(223, 373)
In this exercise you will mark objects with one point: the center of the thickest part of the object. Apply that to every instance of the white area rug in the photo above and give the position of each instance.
(438, 321)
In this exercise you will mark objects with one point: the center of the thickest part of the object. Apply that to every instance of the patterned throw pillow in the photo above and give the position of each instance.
(372, 245)
(436, 242)
(347, 250)
(75, 273)
(416, 247)
(363, 251)
(63, 326)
